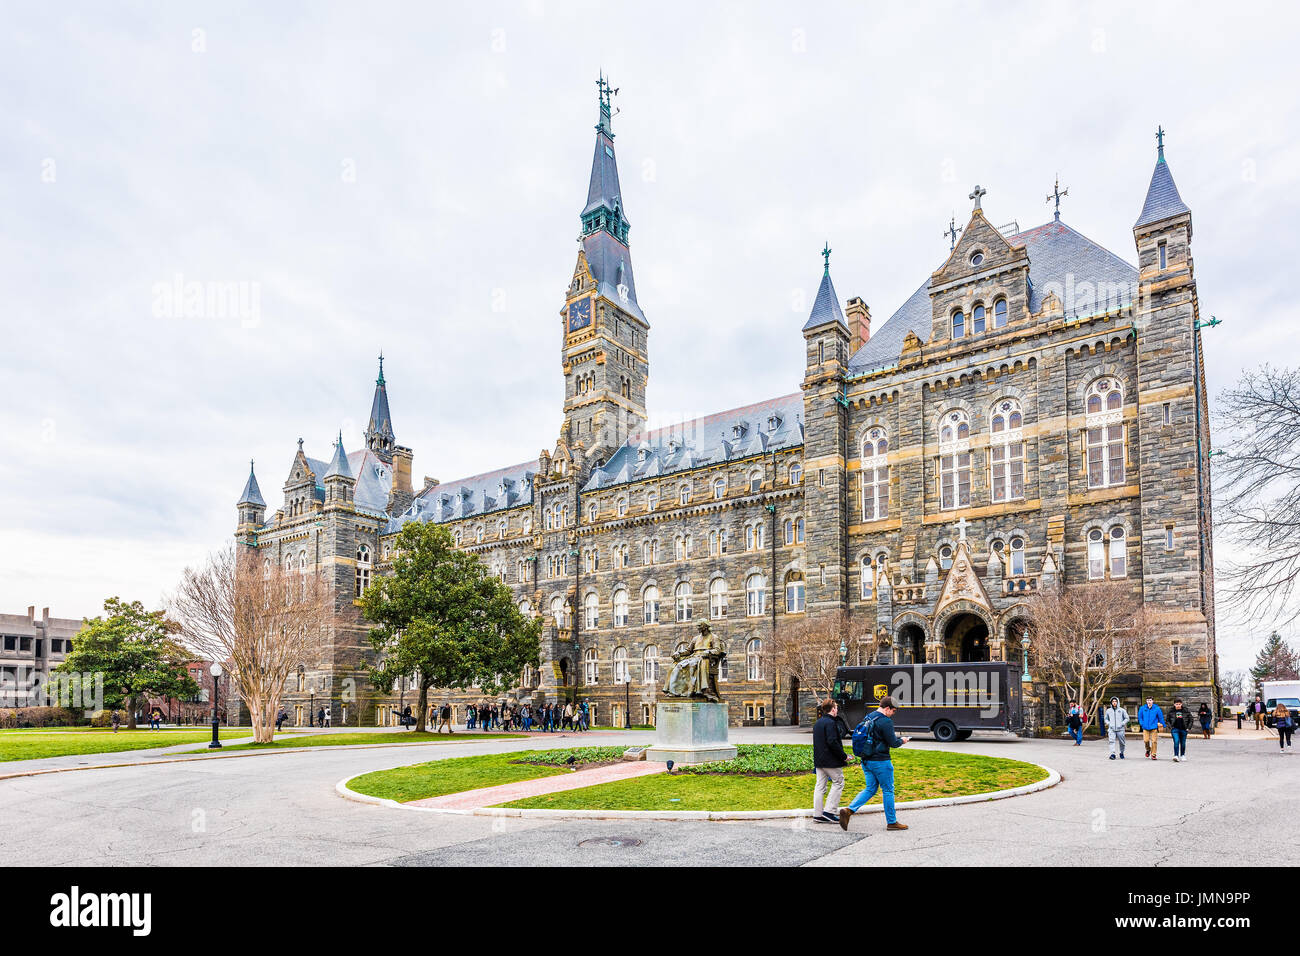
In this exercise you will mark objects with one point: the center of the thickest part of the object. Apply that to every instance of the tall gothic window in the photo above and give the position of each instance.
(683, 601)
(1118, 553)
(719, 489)
(591, 604)
(620, 607)
(978, 319)
(651, 601)
(958, 324)
(717, 599)
(794, 593)
(796, 473)
(1096, 555)
(954, 461)
(1104, 433)
(999, 313)
(1017, 551)
(558, 614)
(875, 475)
(650, 664)
(590, 667)
(621, 675)
(867, 571)
(363, 569)
(754, 659)
(1007, 452)
(755, 595)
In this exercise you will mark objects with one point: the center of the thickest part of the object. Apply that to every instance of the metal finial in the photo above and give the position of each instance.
(380, 380)
(951, 232)
(1160, 142)
(1056, 193)
(826, 254)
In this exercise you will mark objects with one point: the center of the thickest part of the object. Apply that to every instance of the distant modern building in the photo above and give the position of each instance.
(30, 647)
(1034, 412)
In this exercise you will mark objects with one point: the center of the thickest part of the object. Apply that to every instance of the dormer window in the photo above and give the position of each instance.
(739, 429)
(773, 422)
(977, 258)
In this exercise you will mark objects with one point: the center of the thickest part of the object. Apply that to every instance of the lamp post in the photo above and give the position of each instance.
(1024, 642)
(627, 698)
(216, 694)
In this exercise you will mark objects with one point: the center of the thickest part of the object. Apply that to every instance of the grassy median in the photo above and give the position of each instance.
(34, 744)
(353, 740)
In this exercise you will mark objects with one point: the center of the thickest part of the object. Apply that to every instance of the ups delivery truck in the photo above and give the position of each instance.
(951, 701)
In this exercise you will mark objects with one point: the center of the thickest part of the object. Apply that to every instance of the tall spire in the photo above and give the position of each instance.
(379, 432)
(339, 467)
(252, 494)
(1163, 201)
(605, 224)
(826, 307)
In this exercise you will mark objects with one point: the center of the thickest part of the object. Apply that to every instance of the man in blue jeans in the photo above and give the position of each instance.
(877, 768)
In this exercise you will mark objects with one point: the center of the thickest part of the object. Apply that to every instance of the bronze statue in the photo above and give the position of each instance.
(695, 671)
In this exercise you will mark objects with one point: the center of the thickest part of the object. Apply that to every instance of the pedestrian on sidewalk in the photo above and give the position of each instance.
(829, 760)
(1150, 719)
(281, 716)
(116, 718)
(444, 718)
(1115, 720)
(326, 718)
(1285, 726)
(155, 719)
(406, 717)
(872, 740)
(1256, 709)
(1206, 718)
(1179, 721)
(1074, 721)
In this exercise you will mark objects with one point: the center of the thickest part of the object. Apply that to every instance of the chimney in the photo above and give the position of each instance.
(402, 470)
(430, 482)
(31, 614)
(859, 317)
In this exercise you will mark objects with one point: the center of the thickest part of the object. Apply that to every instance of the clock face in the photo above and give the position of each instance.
(579, 314)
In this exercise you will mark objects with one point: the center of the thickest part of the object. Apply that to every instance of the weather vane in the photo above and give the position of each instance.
(951, 232)
(826, 254)
(1056, 194)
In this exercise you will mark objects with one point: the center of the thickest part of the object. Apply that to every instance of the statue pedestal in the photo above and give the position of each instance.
(690, 731)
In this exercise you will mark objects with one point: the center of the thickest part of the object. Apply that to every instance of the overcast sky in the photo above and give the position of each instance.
(408, 177)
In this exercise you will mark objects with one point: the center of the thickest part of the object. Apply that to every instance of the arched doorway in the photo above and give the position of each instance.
(911, 644)
(966, 638)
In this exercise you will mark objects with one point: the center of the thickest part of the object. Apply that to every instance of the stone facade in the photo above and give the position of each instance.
(1035, 411)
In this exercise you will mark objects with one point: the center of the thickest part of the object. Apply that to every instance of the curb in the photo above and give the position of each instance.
(342, 789)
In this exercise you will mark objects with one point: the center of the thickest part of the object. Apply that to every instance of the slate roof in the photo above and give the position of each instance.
(711, 439)
(1162, 200)
(611, 263)
(826, 307)
(374, 480)
(467, 497)
(339, 466)
(252, 494)
(1085, 276)
(381, 420)
(603, 188)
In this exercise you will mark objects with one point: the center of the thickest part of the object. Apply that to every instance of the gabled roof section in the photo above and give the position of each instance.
(826, 307)
(469, 497)
(603, 188)
(712, 439)
(252, 494)
(608, 259)
(1163, 201)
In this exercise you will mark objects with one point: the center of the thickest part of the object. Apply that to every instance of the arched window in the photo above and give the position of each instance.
(719, 488)
(590, 667)
(682, 547)
(1006, 452)
(683, 601)
(713, 542)
(559, 613)
(650, 664)
(1118, 553)
(528, 523)
(302, 570)
(1017, 551)
(787, 528)
(954, 461)
(755, 482)
(958, 324)
(651, 601)
(717, 599)
(651, 500)
(754, 659)
(363, 569)
(620, 607)
(794, 593)
(478, 535)
(591, 513)
(591, 605)
(999, 313)
(798, 531)
(755, 595)
(867, 571)
(501, 528)
(456, 537)
(684, 495)
(945, 557)
(796, 473)
(645, 552)
(1096, 555)
(1104, 433)
(526, 608)
(875, 475)
(621, 675)
(620, 507)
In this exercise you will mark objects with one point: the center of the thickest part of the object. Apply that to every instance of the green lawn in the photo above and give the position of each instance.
(345, 740)
(439, 777)
(919, 775)
(32, 743)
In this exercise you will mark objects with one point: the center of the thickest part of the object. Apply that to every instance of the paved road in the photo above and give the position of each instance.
(1232, 803)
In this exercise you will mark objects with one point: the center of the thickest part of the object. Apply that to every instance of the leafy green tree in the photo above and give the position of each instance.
(442, 617)
(1276, 660)
(135, 652)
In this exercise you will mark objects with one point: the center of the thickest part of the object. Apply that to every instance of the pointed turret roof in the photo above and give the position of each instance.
(379, 433)
(252, 494)
(1163, 201)
(826, 307)
(339, 467)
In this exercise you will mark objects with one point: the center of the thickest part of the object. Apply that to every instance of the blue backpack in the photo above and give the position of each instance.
(864, 737)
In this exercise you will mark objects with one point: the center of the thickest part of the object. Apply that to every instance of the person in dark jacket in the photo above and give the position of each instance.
(829, 760)
(1074, 721)
(1206, 718)
(877, 768)
(1179, 721)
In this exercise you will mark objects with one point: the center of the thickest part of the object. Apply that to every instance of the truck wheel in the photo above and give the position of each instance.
(944, 731)
(964, 734)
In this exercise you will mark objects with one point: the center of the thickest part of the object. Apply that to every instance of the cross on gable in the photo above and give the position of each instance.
(961, 528)
(978, 192)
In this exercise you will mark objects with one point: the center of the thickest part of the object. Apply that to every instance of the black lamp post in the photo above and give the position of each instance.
(627, 699)
(216, 694)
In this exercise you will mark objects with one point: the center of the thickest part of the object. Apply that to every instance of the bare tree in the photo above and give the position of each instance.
(259, 620)
(809, 649)
(1257, 492)
(1086, 636)
(1233, 685)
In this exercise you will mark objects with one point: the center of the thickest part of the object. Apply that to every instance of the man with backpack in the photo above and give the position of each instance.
(872, 740)
(829, 760)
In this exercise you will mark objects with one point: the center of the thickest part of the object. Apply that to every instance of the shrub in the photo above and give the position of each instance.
(44, 717)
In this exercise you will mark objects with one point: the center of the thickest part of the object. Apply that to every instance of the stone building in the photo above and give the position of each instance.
(1035, 411)
(31, 647)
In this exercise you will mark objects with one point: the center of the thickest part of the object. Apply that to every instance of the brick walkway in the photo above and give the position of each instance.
(506, 792)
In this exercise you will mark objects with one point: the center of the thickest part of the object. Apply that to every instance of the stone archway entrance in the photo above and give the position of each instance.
(911, 644)
(966, 638)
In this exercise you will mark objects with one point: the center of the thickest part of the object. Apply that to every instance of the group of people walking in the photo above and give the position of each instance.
(546, 718)
(873, 739)
(1151, 719)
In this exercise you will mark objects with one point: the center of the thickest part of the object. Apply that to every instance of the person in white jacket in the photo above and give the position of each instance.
(1116, 721)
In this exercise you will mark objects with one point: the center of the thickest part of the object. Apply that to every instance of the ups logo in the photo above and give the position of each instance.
(879, 691)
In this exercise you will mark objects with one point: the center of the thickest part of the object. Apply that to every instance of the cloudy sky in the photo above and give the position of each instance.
(408, 177)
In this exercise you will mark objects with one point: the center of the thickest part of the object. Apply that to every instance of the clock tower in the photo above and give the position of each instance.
(604, 333)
